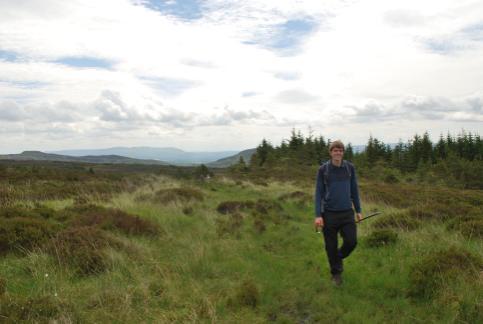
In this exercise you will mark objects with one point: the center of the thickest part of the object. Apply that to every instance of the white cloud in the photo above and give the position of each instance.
(364, 59)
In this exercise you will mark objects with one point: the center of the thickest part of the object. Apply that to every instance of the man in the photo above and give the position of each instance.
(335, 195)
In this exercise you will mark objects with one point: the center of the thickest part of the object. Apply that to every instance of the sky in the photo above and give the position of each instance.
(222, 75)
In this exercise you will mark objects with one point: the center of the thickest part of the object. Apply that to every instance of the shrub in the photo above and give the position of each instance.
(248, 294)
(227, 207)
(259, 225)
(435, 270)
(399, 220)
(178, 194)
(228, 226)
(188, 210)
(298, 196)
(23, 233)
(36, 309)
(390, 176)
(39, 211)
(472, 228)
(470, 225)
(3, 286)
(109, 219)
(381, 237)
(82, 248)
(264, 206)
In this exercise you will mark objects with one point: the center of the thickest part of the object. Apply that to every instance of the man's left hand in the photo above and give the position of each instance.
(359, 216)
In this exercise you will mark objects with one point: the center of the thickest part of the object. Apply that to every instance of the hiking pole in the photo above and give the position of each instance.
(371, 215)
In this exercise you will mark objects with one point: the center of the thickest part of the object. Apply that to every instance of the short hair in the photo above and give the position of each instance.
(336, 144)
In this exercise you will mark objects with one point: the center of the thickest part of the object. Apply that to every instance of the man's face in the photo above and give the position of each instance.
(337, 154)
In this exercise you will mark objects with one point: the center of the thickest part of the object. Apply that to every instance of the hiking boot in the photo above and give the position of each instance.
(337, 279)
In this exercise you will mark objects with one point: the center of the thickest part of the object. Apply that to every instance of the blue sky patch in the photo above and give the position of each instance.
(85, 62)
(291, 33)
(474, 32)
(287, 37)
(170, 86)
(184, 9)
(8, 56)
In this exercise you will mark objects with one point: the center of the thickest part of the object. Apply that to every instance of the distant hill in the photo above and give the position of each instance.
(226, 162)
(167, 154)
(41, 156)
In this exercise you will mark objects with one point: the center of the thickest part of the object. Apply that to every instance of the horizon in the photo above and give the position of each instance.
(198, 75)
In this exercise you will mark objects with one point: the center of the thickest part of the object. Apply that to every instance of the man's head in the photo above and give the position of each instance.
(336, 150)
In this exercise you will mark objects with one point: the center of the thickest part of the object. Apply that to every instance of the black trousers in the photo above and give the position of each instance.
(335, 222)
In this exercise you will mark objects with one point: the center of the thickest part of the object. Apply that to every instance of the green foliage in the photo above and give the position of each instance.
(248, 294)
(202, 172)
(183, 194)
(82, 248)
(112, 219)
(381, 237)
(231, 206)
(299, 197)
(432, 273)
(397, 220)
(230, 225)
(34, 309)
(23, 233)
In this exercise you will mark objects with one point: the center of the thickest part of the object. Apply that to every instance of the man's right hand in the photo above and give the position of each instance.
(319, 222)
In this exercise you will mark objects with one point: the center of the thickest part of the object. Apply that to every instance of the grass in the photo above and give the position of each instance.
(187, 272)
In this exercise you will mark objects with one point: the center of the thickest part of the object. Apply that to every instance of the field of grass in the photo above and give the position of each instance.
(165, 248)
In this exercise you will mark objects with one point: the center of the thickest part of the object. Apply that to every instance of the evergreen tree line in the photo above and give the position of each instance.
(452, 159)
(407, 157)
(297, 150)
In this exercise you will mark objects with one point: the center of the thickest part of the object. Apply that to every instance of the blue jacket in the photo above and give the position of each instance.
(341, 190)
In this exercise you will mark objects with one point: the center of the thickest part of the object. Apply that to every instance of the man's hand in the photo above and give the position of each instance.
(359, 216)
(319, 223)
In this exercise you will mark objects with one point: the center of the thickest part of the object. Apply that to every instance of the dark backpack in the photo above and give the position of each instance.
(325, 171)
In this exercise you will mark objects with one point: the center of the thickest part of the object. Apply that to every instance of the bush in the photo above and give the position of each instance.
(188, 210)
(3, 286)
(23, 233)
(433, 272)
(229, 226)
(110, 219)
(381, 237)
(300, 197)
(38, 211)
(390, 176)
(264, 206)
(227, 207)
(177, 194)
(259, 225)
(82, 248)
(248, 294)
(37, 309)
(399, 220)
(470, 225)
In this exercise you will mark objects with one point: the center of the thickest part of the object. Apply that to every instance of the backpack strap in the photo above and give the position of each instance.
(326, 168)
(325, 173)
(348, 167)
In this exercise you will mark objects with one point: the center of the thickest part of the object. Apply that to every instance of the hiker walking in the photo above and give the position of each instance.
(336, 193)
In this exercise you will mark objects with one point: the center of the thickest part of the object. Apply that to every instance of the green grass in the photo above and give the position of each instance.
(189, 273)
